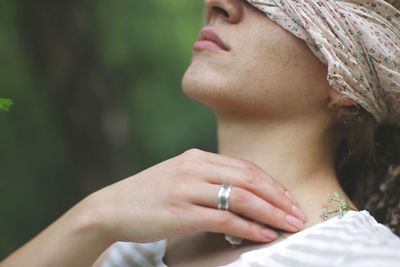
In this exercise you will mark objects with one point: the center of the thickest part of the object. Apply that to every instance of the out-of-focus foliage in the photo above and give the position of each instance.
(5, 104)
(144, 48)
(153, 40)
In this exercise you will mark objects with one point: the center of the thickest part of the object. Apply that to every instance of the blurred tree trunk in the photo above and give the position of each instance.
(71, 73)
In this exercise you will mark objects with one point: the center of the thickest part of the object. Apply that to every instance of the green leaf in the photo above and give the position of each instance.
(281, 234)
(5, 104)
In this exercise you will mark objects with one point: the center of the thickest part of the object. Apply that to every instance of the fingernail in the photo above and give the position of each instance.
(298, 213)
(269, 234)
(293, 221)
(291, 197)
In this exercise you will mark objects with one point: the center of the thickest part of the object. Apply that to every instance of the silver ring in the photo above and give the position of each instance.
(223, 196)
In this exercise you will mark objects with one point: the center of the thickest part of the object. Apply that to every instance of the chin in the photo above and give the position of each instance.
(214, 91)
(201, 85)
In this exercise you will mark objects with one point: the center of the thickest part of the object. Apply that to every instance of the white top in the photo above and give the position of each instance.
(356, 239)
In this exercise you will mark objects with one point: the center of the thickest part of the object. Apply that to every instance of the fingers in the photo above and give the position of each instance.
(238, 163)
(251, 180)
(248, 175)
(219, 221)
(255, 193)
(249, 205)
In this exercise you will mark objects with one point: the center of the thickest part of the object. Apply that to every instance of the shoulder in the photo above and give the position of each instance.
(367, 242)
(127, 254)
(357, 239)
(359, 226)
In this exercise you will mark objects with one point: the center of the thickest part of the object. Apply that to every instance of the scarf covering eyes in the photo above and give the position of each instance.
(359, 40)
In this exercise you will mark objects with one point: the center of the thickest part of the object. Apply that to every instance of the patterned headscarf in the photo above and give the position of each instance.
(359, 41)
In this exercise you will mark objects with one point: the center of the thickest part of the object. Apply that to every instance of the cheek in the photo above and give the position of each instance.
(266, 75)
(281, 71)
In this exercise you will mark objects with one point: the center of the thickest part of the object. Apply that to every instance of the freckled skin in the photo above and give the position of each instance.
(267, 72)
(270, 95)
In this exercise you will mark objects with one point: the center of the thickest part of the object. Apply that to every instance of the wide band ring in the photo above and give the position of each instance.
(224, 194)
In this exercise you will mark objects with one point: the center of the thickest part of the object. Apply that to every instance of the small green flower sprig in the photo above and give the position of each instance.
(342, 206)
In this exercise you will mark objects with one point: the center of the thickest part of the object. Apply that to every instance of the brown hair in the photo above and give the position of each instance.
(364, 149)
(354, 135)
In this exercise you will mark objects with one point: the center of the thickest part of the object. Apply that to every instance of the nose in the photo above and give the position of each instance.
(227, 10)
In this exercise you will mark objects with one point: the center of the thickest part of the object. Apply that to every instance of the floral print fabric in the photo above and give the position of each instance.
(359, 41)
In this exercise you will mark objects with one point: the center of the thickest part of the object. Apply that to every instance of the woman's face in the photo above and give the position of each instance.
(267, 72)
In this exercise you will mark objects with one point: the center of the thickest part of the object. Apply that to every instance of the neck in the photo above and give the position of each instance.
(294, 153)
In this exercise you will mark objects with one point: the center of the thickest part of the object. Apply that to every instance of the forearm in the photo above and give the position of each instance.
(75, 239)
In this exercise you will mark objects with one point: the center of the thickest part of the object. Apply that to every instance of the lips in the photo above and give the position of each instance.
(209, 39)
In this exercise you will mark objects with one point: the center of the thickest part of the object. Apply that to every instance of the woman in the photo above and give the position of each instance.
(275, 107)
(278, 132)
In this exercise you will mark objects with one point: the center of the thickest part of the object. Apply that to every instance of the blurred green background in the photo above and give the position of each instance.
(98, 97)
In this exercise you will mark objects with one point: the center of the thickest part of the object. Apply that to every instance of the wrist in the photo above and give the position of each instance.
(90, 221)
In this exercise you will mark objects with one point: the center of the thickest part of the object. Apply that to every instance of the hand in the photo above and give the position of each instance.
(179, 196)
